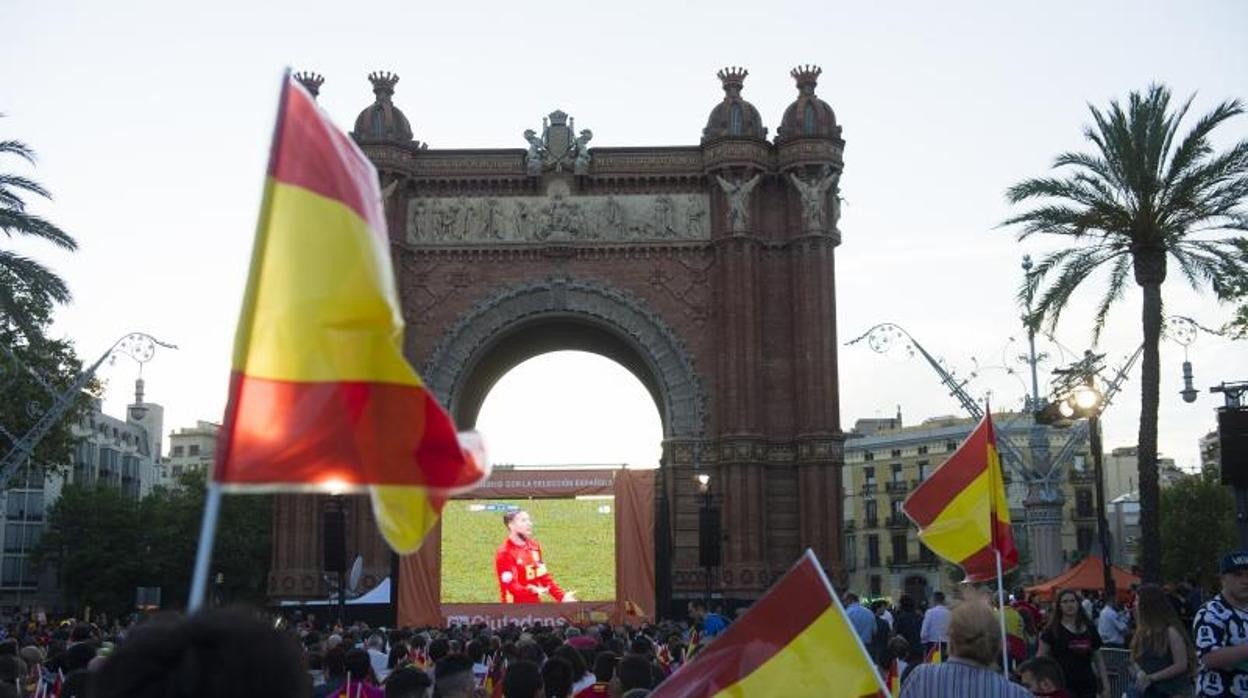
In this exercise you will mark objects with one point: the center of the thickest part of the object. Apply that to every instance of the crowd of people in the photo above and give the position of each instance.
(1178, 644)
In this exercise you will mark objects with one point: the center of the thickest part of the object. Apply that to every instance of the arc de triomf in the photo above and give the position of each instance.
(707, 270)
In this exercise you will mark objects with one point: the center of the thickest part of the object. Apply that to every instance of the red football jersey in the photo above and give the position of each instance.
(520, 566)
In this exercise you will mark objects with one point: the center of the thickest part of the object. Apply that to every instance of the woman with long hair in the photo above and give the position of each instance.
(1161, 651)
(1072, 639)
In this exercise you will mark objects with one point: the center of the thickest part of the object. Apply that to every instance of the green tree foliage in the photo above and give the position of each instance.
(1147, 196)
(104, 545)
(1198, 515)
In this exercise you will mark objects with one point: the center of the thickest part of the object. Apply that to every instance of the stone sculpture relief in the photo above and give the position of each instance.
(557, 147)
(814, 195)
(738, 201)
(558, 218)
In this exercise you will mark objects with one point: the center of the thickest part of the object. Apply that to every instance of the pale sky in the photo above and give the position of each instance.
(152, 120)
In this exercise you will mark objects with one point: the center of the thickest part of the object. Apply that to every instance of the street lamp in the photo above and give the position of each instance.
(708, 530)
(1077, 396)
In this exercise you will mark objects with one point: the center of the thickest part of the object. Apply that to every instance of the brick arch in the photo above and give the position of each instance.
(523, 321)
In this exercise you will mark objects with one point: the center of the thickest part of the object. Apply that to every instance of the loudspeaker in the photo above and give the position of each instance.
(1233, 438)
(709, 537)
(335, 539)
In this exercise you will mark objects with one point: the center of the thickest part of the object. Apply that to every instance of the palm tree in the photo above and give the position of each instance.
(1144, 196)
(22, 279)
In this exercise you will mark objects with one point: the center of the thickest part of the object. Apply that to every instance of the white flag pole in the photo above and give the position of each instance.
(207, 534)
(1005, 649)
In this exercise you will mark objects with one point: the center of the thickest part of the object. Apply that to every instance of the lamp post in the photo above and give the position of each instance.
(1076, 396)
(707, 532)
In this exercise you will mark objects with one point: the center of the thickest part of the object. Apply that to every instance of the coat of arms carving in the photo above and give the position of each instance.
(559, 148)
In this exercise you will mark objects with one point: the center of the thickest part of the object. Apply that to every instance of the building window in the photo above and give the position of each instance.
(951, 446)
(809, 120)
(1083, 538)
(897, 473)
(192, 450)
(1083, 502)
(922, 450)
(868, 455)
(896, 507)
(896, 453)
(869, 509)
(875, 585)
(15, 572)
(177, 451)
(899, 550)
(925, 469)
(869, 474)
(873, 551)
(851, 553)
(735, 121)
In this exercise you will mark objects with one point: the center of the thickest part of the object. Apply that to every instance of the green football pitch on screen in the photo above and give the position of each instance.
(577, 538)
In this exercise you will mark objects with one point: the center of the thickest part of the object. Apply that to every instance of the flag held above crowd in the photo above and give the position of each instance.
(795, 640)
(321, 396)
(961, 509)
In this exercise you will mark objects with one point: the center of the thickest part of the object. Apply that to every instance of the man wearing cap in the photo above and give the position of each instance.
(1221, 632)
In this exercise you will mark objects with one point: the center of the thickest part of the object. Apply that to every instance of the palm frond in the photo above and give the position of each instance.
(17, 148)
(1072, 270)
(39, 279)
(1113, 293)
(1195, 144)
(26, 224)
(8, 181)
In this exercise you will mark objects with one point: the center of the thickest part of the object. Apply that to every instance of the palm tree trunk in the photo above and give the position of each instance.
(1150, 494)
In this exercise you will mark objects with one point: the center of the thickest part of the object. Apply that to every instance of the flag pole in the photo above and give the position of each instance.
(207, 534)
(1005, 649)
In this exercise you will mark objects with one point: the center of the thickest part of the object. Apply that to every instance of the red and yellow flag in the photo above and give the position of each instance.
(961, 509)
(321, 396)
(796, 640)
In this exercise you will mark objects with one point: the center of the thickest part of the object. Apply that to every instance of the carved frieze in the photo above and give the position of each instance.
(557, 218)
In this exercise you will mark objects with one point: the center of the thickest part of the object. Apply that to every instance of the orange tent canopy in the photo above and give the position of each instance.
(1088, 575)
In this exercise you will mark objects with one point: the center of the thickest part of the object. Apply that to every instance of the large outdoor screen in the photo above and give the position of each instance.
(577, 539)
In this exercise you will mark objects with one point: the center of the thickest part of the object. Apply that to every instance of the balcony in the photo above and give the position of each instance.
(914, 484)
(898, 521)
(911, 563)
(896, 487)
(873, 561)
(1082, 514)
(1085, 475)
(871, 522)
(869, 489)
(850, 526)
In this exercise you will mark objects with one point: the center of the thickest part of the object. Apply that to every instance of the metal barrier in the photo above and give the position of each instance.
(1118, 667)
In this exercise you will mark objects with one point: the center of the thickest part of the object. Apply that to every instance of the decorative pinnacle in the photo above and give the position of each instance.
(733, 78)
(807, 76)
(311, 81)
(383, 82)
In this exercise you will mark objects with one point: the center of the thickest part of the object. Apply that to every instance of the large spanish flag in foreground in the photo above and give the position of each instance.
(321, 397)
(961, 509)
(794, 641)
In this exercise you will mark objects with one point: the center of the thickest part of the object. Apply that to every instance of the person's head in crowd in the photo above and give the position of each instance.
(1066, 607)
(906, 602)
(453, 677)
(75, 657)
(974, 633)
(849, 598)
(375, 642)
(938, 598)
(604, 666)
(334, 663)
(334, 640)
(476, 651)
(573, 656)
(359, 665)
(11, 668)
(8, 647)
(32, 655)
(640, 646)
(1042, 676)
(523, 680)
(1154, 617)
(530, 651)
(898, 648)
(438, 648)
(557, 678)
(632, 672)
(408, 682)
(398, 654)
(697, 610)
(82, 632)
(1234, 576)
(216, 654)
(879, 606)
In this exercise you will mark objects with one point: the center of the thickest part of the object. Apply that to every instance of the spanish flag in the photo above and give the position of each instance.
(796, 640)
(961, 509)
(321, 397)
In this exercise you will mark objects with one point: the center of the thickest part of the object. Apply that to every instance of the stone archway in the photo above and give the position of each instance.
(518, 323)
